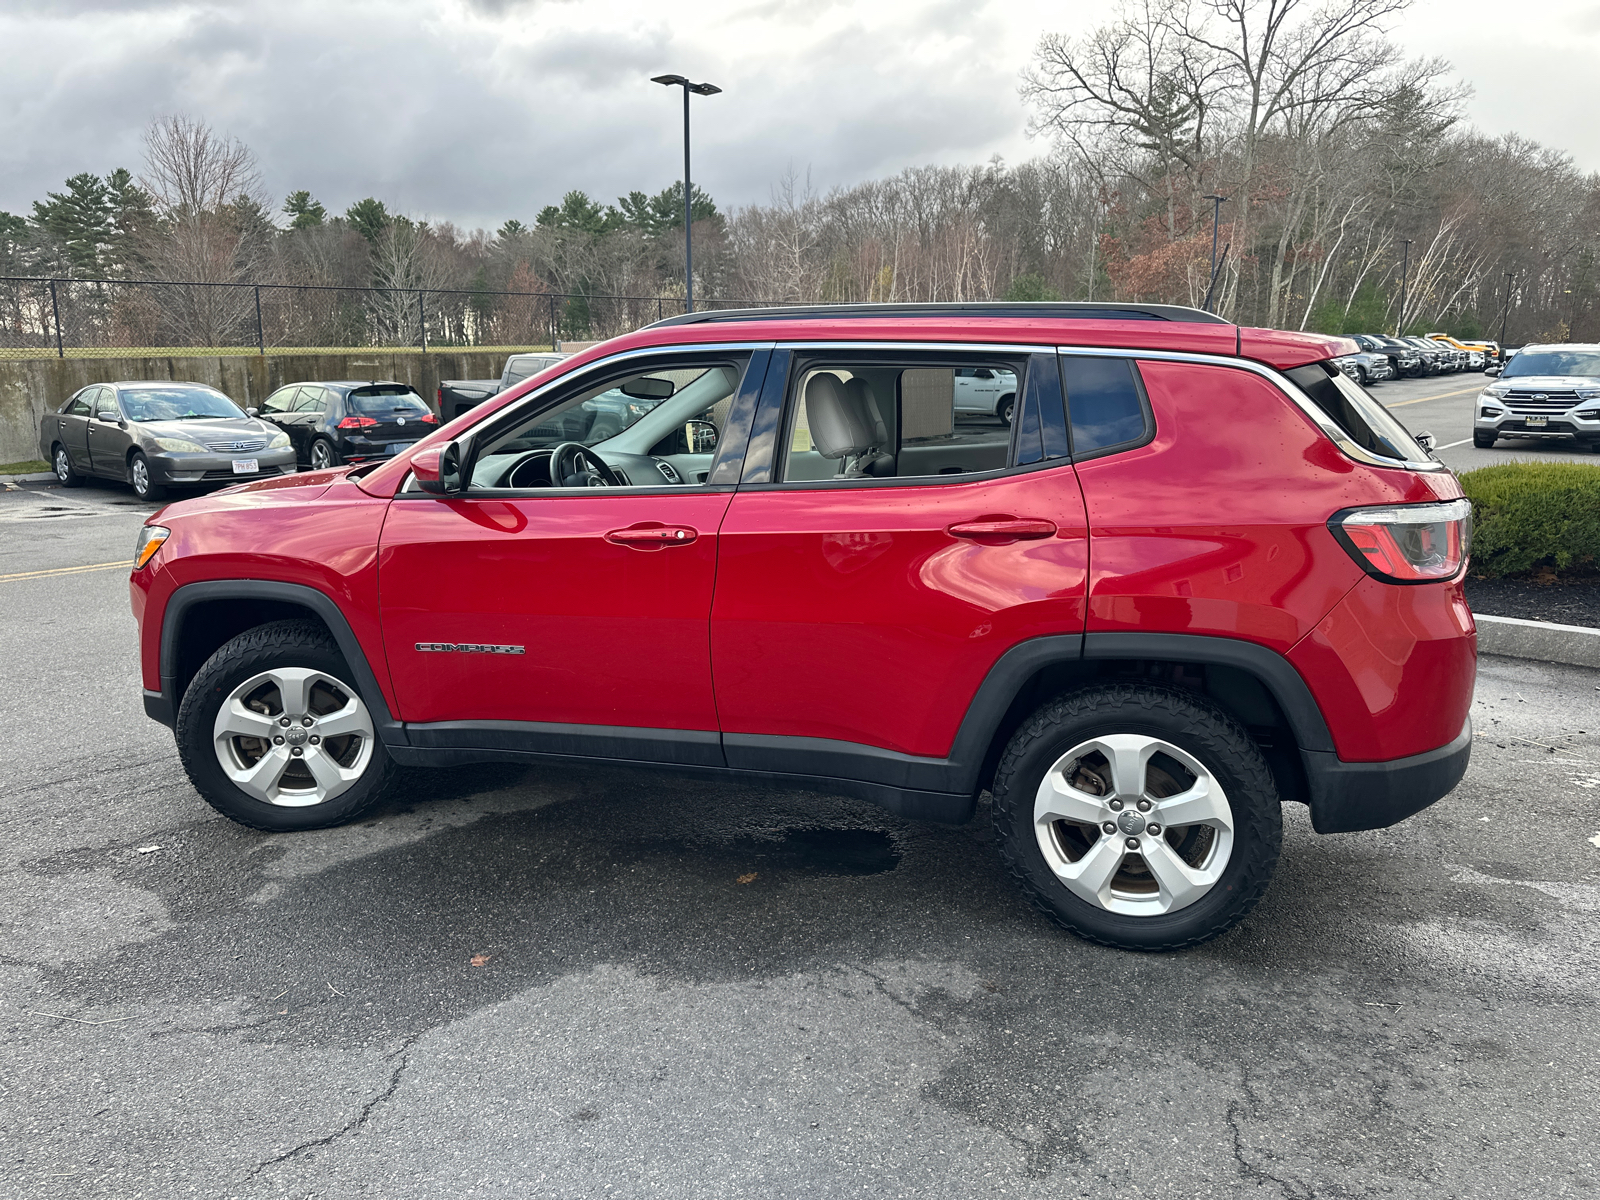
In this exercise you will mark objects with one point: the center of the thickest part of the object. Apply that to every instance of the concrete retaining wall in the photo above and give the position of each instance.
(30, 387)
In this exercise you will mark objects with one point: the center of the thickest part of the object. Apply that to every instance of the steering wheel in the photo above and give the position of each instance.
(572, 464)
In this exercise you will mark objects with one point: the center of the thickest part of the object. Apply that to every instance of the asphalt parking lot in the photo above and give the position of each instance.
(584, 983)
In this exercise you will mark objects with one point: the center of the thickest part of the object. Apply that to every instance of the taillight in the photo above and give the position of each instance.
(357, 423)
(429, 419)
(1407, 543)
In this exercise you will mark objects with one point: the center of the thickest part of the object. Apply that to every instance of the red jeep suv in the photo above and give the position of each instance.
(1198, 574)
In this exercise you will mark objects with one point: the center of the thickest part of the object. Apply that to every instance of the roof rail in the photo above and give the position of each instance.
(1002, 309)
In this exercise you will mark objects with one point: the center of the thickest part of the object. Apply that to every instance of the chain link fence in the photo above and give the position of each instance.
(90, 318)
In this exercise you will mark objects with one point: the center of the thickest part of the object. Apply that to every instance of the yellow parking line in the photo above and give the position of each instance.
(123, 563)
(1440, 396)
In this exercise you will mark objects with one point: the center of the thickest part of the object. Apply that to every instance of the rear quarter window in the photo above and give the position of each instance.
(1106, 404)
(1364, 421)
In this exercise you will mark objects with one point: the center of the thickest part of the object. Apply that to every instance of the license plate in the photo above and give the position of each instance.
(396, 447)
(1537, 422)
(246, 466)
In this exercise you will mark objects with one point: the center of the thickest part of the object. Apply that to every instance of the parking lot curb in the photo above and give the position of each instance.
(16, 481)
(1513, 637)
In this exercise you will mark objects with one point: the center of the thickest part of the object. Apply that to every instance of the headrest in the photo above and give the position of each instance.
(865, 402)
(839, 425)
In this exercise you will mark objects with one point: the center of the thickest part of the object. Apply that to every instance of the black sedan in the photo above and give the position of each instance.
(156, 435)
(348, 422)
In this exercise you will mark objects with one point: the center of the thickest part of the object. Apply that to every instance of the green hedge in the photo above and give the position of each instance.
(1529, 514)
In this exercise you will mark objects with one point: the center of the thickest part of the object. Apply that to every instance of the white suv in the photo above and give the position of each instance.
(987, 390)
(1544, 392)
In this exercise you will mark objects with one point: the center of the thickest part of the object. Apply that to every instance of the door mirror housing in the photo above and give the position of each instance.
(250, 412)
(1426, 440)
(437, 469)
(700, 436)
(1494, 370)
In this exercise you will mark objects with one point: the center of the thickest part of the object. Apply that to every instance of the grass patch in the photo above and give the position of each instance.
(1530, 516)
(28, 466)
(28, 354)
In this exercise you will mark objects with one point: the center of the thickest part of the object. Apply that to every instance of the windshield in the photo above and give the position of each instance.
(1554, 362)
(177, 404)
(384, 402)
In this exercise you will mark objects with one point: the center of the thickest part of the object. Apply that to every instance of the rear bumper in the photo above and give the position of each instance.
(1349, 796)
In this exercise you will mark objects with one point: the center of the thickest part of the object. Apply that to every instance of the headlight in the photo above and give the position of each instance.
(1589, 393)
(279, 441)
(151, 539)
(181, 445)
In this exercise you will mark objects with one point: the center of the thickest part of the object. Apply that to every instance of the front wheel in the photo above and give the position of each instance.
(1484, 441)
(66, 474)
(139, 475)
(1006, 408)
(1140, 817)
(275, 736)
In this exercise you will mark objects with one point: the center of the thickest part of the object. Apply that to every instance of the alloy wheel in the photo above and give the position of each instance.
(321, 456)
(141, 477)
(293, 737)
(1133, 824)
(63, 465)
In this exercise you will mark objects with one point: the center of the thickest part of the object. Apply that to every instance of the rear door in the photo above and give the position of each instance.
(389, 417)
(72, 427)
(864, 610)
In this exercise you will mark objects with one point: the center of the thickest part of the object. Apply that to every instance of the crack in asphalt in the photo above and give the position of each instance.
(360, 1119)
(1247, 1169)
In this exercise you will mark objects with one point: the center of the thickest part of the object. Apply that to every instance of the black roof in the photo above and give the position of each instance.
(1000, 309)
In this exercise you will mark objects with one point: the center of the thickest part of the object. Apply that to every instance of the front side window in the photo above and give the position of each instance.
(1106, 403)
(859, 419)
(655, 427)
(156, 403)
(311, 400)
(106, 406)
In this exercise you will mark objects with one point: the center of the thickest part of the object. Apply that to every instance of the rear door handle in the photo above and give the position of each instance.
(999, 529)
(653, 537)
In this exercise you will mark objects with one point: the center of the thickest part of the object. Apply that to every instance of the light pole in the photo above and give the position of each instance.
(1506, 312)
(699, 89)
(1216, 217)
(1405, 264)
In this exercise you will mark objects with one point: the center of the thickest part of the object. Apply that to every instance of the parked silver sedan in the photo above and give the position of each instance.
(156, 435)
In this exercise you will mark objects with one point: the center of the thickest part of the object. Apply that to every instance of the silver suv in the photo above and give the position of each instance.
(1543, 392)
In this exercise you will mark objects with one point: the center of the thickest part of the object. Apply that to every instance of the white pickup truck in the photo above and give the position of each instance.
(986, 390)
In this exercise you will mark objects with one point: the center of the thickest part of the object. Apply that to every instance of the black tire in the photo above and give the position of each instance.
(1182, 719)
(1006, 408)
(280, 644)
(1484, 441)
(322, 448)
(61, 463)
(1362, 375)
(139, 476)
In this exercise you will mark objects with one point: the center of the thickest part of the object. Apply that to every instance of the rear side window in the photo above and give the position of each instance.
(1106, 403)
(387, 401)
(78, 406)
(1364, 421)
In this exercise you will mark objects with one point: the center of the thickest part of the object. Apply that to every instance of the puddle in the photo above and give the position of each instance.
(814, 852)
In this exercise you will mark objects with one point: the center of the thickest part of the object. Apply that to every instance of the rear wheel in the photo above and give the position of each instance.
(139, 475)
(1483, 441)
(323, 455)
(1140, 817)
(274, 735)
(66, 474)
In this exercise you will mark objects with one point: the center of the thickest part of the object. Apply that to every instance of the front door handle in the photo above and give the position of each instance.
(653, 537)
(996, 530)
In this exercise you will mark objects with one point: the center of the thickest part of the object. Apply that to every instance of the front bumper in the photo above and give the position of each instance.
(216, 467)
(1350, 796)
(1507, 422)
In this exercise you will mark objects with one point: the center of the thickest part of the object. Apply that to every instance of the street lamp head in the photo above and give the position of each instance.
(704, 89)
(669, 80)
(699, 89)
(1218, 199)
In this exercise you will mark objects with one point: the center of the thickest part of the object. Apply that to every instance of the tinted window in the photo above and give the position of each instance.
(1366, 422)
(1106, 405)
(387, 401)
(1554, 362)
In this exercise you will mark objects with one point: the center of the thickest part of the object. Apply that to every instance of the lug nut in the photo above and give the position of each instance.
(278, 741)
(1144, 806)
(1133, 843)
(1115, 806)
(283, 720)
(297, 752)
(306, 721)
(1153, 828)
(315, 740)
(1109, 827)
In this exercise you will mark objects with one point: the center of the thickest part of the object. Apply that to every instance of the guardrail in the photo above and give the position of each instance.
(68, 318)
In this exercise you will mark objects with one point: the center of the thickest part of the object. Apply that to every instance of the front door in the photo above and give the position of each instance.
(109, 440)
(865, 591)
(561, 604)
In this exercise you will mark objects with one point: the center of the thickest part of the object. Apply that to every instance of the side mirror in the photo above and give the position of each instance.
(250, 412)
(700, 436)
(1427, 441)
(437, 469)
(1494, 370)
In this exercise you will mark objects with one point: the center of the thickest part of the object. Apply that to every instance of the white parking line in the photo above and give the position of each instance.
(1453, 445)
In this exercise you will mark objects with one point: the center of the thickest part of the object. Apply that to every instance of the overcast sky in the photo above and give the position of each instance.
(479, 110)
